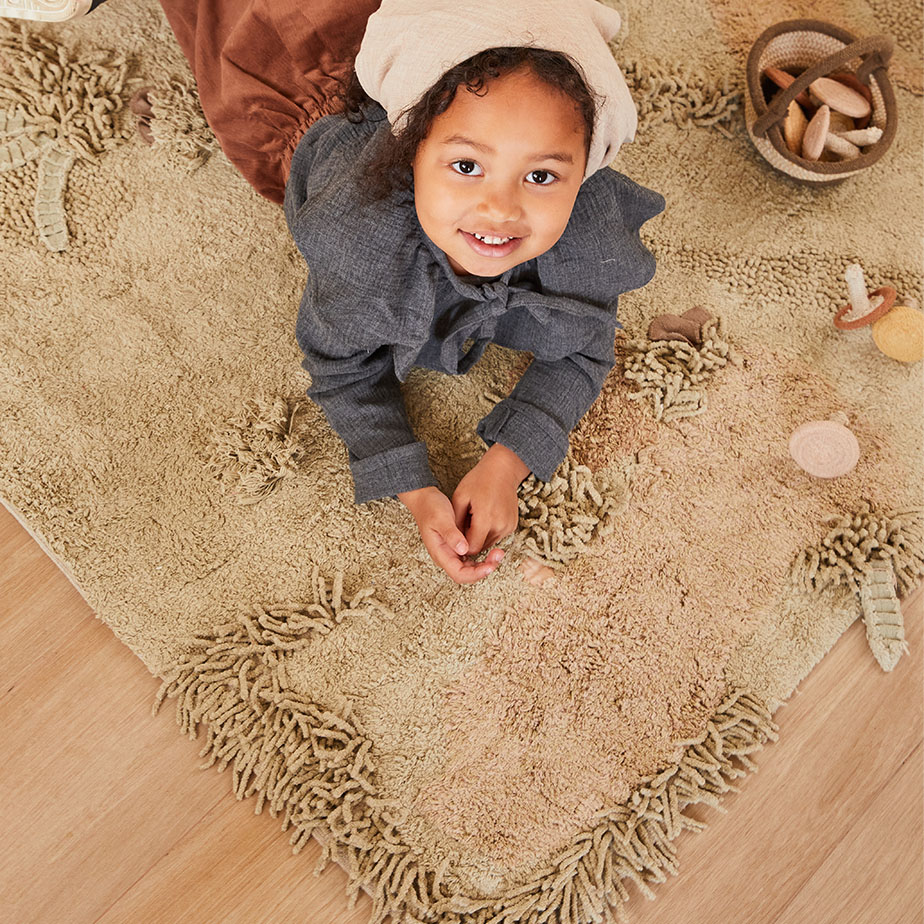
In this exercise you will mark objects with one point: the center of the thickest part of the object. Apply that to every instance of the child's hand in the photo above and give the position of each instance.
(447, 546)
(485, 502)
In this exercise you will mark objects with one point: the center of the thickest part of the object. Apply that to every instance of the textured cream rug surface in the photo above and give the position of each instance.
(520, 749)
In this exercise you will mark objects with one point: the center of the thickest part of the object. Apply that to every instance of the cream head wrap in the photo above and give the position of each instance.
(409, 44)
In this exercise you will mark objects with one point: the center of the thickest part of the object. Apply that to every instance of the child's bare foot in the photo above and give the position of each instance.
(534, 572)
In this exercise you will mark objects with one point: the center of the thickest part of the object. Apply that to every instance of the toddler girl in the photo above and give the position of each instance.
(457, 195)
(487, 219)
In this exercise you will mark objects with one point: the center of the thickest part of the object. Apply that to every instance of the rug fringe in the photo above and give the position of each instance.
(179, 125)
(559, 518)
(256, 449)
(670, 374)
(314, 767)
(855, 541)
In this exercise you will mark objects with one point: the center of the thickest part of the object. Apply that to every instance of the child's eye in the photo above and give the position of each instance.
(466, 167)
(541, 177)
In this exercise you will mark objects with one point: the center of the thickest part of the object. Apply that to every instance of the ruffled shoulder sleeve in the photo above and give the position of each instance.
(600, 254)
(361, 255)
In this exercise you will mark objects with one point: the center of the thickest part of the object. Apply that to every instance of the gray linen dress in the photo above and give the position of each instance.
(382, 298)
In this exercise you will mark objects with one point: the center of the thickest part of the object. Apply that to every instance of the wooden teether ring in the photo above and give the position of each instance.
(888, 299)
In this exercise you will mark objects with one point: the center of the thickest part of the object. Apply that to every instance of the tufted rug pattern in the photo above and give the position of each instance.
(521, 749)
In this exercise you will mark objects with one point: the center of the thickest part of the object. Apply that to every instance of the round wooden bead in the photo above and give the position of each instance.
(900, 334)
(824, 448)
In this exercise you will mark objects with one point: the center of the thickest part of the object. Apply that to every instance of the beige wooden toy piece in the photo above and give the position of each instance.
(840, 146)
(851, 81)
(840, 97)
(816, 131)
(860, 136)
(825, 448)
(885, 629)
(841, 123)
(794, 126)
(900, 334)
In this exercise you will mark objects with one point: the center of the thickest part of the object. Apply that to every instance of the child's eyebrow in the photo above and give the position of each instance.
(487, 149)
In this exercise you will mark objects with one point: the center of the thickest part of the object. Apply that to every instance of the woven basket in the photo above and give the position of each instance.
(816, 49)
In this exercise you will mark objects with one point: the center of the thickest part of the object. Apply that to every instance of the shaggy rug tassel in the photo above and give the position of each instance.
(314, 766)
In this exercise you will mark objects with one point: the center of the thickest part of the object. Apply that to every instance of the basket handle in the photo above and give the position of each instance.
(878, 51)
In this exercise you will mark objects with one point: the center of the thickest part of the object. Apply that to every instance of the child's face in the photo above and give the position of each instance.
(506, 166)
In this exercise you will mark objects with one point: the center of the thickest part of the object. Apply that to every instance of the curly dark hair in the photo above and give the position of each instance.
(390, 168)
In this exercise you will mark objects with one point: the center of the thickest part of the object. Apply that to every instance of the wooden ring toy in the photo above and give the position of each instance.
(888, 299)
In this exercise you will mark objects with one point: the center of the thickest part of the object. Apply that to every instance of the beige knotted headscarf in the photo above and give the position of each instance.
(409, 44)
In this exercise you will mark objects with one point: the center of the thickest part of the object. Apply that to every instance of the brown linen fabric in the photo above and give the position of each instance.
(265, 70)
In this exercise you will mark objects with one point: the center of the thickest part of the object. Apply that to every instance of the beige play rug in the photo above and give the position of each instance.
(522, 749)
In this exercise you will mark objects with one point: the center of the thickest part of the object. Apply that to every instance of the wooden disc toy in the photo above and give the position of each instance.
(824, 448)
(900, 334)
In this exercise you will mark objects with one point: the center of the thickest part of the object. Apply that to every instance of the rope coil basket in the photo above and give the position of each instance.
(813, 49)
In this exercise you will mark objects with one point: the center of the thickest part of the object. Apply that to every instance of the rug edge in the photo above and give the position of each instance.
(314, 765)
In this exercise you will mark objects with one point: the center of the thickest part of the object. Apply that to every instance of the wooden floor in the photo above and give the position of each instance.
(104, 816)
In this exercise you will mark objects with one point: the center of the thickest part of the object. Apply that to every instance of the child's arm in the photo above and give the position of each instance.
(362, 400)
(528, 432)
(537, 417)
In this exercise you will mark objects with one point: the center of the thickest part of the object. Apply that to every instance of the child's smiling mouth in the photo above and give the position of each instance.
(491, 245)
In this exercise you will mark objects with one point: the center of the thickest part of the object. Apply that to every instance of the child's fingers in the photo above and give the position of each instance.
(460, 570)
(495, 556)
(476, 536)
(460, 510)
(452, 537)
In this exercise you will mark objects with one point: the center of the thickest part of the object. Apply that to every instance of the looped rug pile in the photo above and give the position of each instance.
(523, 749)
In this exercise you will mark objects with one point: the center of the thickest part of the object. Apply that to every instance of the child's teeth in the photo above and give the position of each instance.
(493, 240)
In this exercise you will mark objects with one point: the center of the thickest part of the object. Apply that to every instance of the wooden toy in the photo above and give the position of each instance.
(825, 448)
(898, 330)
(813, 141)
(840, 97)
(686, 327)
(794, 126)
(900, 334)
(860, 136)
(866, 310)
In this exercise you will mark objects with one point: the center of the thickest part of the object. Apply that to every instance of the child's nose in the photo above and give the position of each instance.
(499, 204)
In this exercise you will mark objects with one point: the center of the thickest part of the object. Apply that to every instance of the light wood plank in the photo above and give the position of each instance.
(239, 868)
(94, 790)
(113, 822)
(30, 623)
(848, 887)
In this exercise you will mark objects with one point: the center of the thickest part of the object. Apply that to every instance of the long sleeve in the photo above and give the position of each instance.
(547, 403)
(379, 291)
(361, 398)
(355, 306)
